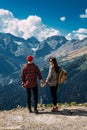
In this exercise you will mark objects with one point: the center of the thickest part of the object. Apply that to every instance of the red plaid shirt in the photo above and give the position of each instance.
(30, 72)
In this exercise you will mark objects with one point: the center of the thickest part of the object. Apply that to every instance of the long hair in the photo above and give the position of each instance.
(56, 66)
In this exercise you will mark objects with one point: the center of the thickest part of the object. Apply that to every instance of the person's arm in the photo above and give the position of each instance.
(49, 74)
(40, 77)
(23, 76)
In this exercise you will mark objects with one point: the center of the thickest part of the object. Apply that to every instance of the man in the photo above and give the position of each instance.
(30, 72)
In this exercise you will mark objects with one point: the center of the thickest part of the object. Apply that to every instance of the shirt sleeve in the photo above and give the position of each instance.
(23, 74)
(49, 73)
(39, 73)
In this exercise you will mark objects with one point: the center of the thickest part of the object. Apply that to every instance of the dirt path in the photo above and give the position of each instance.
(69, 118)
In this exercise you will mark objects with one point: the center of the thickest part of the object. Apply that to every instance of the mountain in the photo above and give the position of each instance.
(7, 65)
(69, 51)
(71, 55)
(58, 40)
(43, 49)
(33, 41)
(75, 87)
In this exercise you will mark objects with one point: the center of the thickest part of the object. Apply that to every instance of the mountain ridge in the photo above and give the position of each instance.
(71, 55)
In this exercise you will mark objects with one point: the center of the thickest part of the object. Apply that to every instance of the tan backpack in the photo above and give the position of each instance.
(62, 76)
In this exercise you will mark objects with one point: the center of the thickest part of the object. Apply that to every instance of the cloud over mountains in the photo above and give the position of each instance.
(34, 26)
(31, 26)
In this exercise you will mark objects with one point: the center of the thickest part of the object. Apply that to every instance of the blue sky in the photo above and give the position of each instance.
(42, 18)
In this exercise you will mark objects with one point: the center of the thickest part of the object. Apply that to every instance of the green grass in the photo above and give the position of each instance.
(62, 104)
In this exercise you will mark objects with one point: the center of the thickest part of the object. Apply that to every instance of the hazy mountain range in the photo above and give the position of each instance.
(72, 55)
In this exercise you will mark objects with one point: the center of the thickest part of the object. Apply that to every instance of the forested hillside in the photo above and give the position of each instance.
(73, 90)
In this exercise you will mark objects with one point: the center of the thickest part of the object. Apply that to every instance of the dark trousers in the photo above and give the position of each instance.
(53, 90)
(35, 93)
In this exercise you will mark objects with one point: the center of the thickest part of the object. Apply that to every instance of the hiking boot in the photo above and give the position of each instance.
(54, 109)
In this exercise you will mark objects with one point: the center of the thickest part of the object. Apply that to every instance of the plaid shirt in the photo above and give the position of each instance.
(30, 72)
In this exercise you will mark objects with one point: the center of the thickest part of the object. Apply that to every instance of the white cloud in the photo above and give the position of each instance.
(84, 15)
(31, 26)
(82, 30)
(5, 17)
(62, 18)
(80, 34)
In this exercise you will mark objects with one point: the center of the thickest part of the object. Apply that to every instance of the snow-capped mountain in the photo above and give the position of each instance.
(70, 50)
(16, 49)
(70, 54)
(56, 41)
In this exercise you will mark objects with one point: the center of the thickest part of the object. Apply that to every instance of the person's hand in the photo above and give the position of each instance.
(43, 84)
(22, 84)
(46, 80)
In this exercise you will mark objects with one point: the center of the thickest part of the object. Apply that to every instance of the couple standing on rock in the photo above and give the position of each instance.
(30, 72)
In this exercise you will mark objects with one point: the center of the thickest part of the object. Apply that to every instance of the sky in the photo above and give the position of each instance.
(44, 18)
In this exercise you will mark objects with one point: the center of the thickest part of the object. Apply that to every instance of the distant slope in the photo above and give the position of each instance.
(73, 90)
(75, 53)
(75, 87)
(7, 66)
(71, 55)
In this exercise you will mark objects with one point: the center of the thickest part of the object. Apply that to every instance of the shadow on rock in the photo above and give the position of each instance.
(71, 112)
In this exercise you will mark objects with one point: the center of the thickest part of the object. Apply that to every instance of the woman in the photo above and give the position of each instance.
(52, 80)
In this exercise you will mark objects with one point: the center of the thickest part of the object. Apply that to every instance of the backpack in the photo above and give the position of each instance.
(62, 76)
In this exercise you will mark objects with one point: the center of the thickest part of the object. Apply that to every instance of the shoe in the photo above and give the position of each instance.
(54, 109)
(30, 110)
(36, 111)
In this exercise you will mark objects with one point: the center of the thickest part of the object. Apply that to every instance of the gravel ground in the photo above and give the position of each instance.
(67, 118)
